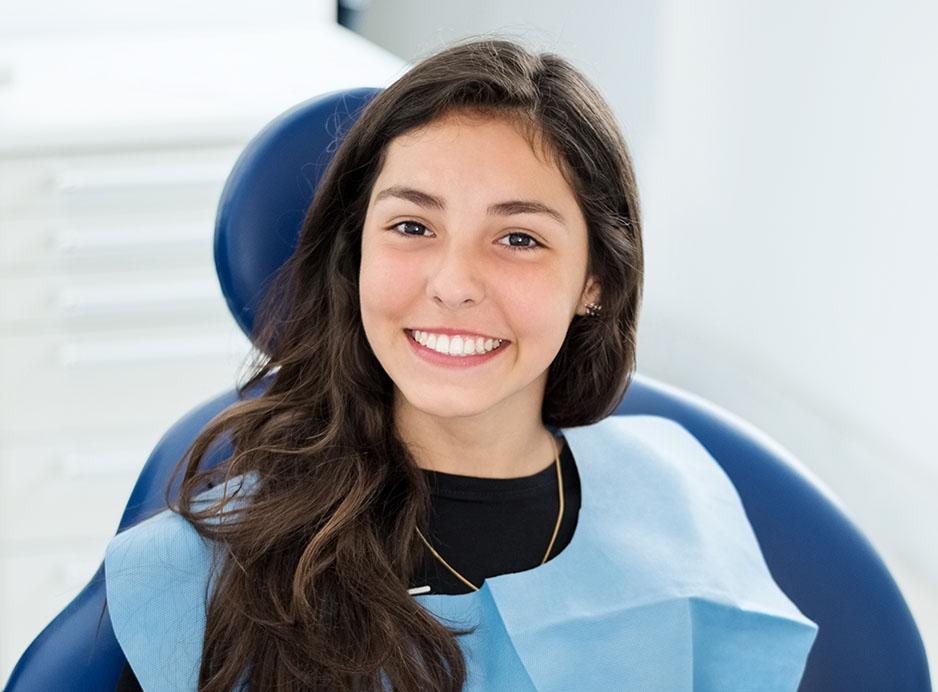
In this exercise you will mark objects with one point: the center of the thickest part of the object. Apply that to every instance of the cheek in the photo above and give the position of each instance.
(537, 300)
(385, 284)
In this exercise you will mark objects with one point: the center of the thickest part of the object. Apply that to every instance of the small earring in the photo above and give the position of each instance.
(592, 309)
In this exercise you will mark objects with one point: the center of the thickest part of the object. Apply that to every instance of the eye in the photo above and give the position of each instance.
(409, 223)
(523, 236)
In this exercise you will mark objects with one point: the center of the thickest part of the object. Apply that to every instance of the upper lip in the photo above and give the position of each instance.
(453, 332)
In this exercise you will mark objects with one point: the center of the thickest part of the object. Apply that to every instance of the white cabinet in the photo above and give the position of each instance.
(112, 323)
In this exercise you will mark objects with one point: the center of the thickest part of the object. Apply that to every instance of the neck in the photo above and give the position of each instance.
(485, 446)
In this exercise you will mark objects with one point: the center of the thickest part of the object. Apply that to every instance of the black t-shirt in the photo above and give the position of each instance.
(485, 527)
(488, 526)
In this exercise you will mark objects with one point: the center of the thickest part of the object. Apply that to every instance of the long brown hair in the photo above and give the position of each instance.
(311, 574)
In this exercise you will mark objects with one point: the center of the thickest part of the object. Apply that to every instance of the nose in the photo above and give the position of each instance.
(456, 280)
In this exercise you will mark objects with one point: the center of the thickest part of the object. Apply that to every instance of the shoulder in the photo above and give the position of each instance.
(662, 482)
(675, 523)
(647, 446)
(158, 579)
(167, 542)
(665, 478)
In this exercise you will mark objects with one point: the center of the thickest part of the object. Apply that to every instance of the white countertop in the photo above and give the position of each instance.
(140, 89)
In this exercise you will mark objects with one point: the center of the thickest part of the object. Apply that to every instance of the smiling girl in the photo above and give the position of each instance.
(431, 493)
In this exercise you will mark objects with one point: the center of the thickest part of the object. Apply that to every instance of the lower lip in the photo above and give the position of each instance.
(437, 358)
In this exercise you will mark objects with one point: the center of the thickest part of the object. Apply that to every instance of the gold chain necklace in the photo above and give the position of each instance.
(552, 538)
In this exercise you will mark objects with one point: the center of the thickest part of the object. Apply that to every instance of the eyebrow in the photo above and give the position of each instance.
(507, 208)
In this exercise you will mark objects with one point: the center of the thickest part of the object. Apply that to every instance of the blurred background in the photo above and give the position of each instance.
(785, 155)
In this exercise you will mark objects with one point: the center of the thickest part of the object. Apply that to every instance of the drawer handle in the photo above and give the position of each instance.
(114, 352)
(77, 301)
(77, 242)
(118, 179)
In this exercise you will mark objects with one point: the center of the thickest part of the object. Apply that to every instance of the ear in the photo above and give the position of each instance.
(592, 293)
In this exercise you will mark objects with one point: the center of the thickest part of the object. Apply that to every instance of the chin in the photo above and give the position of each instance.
(444, 407)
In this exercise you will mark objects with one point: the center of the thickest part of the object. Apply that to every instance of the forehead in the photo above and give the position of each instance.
(478, 153)
(459, 125)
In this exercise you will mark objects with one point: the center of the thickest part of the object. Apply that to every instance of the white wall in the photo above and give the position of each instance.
(791, 236)
(786, 156)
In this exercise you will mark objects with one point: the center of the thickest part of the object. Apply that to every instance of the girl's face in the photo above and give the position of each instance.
(469, 233)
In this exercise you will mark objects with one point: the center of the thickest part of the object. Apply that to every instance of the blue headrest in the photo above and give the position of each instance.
(265, 198)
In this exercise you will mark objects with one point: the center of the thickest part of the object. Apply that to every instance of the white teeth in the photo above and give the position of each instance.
(456, 345)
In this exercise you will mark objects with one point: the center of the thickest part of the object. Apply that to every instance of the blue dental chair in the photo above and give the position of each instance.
(867, 638)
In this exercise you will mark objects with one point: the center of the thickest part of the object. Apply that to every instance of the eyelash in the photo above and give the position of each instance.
(537, 245)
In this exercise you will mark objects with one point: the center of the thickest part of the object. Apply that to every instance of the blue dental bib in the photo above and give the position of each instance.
(662, 587)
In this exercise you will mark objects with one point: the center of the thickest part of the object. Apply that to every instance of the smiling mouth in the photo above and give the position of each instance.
(453, 332)
(483, 346)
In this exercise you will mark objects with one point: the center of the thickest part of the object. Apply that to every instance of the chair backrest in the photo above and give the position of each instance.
(867, 638)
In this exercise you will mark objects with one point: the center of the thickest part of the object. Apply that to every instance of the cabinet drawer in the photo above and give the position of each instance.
(113, 182)
(72, 489)
(54, 242)
(60, 383)
(128, 297)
